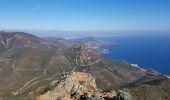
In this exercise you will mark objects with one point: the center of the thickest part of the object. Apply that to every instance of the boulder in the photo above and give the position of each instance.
(122, 95)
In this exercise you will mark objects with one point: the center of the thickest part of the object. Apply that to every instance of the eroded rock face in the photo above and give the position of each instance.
(76, 83)
(86, 56)
(76, 86)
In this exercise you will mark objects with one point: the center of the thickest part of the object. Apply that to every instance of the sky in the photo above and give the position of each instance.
(85, 15)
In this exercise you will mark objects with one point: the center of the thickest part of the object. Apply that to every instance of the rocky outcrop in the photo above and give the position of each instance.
(81, 86)
(77, 86)
(121, 95)
(86, 56)
(73, 85)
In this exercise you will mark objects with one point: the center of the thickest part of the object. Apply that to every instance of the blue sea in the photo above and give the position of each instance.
(148, 51)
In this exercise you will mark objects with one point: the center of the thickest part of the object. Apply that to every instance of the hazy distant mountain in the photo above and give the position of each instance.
(69, 34)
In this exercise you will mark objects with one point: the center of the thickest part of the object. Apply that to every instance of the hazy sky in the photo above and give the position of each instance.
(85, 14)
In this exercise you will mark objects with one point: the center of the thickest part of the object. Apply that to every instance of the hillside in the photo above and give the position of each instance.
(18, 39)
(29, 62)
(152, 90)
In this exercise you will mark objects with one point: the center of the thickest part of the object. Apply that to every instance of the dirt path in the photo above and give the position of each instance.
(25, 85)
(109, 68)
(35, 80)
(20, 69)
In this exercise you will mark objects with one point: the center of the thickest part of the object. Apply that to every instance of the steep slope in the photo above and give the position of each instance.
(112, 73)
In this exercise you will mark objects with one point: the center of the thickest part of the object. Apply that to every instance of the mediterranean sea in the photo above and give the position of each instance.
(148, 51)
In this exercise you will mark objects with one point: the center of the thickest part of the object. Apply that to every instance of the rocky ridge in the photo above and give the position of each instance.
(81, 86)
(76, 83)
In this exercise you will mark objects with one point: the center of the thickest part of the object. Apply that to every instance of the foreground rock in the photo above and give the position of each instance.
(81, 86)
(77, 86)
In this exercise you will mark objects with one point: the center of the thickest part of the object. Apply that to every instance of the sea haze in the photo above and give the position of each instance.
(148, 51)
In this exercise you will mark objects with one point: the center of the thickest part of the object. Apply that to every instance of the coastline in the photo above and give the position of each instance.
(148, 52)
(138, 67)
(153, 71)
